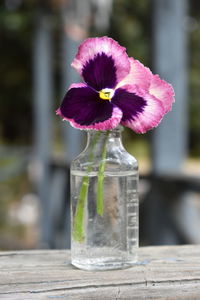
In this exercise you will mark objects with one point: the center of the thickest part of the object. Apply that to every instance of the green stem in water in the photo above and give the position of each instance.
(100, 183)
(78, 228)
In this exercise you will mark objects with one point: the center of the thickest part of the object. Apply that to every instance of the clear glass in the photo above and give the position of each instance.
(110, 238)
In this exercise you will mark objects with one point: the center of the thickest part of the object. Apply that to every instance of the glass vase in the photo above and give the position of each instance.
(104, 204)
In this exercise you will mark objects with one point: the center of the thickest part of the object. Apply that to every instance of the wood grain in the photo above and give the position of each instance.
(169, 272)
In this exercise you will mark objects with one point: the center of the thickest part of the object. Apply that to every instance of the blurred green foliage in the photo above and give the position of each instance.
(16, 29)
(130, 25)
(194, 76)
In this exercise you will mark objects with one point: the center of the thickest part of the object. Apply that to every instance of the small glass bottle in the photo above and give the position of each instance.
(104, 204)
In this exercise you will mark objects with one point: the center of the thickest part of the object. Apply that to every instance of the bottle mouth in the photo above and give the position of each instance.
(119, 129)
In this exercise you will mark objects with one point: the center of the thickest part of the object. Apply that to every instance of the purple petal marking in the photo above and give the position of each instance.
(85, 110)
(105, 125)
(91, 47)
(148, 116)
(100, 72)
(130, 104)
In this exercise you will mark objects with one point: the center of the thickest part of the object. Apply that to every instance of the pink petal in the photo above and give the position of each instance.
(151, 115)
(105, 125)
(162, 91)
(93, 46)
(77, 85)
(138, 75)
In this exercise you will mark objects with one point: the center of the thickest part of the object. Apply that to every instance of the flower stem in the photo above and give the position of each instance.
(78, 226)
(78, 230)
(100, 183)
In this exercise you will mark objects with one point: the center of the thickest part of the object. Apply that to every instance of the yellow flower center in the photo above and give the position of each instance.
(106, 94)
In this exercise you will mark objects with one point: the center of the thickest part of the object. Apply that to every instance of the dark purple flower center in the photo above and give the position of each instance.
(100, 72)
(130, 103)
(83, 105)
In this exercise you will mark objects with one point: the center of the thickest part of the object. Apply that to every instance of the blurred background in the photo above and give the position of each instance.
(38, 41)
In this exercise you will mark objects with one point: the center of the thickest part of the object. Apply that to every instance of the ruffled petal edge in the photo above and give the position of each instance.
(138, 75)
(109, 124)
(162, 91)
(93, 46)
(151, 115)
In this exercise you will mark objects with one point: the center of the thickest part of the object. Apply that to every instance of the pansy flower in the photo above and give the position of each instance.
(116, 90)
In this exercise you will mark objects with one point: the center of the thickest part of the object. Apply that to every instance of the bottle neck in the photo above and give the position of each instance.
(112, 138)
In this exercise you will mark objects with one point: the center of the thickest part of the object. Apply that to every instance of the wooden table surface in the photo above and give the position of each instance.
(169, 272)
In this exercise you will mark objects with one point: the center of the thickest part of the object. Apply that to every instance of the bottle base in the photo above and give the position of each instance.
(103, 264)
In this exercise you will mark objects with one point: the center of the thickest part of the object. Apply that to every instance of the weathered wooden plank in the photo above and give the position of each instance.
(162, 273)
